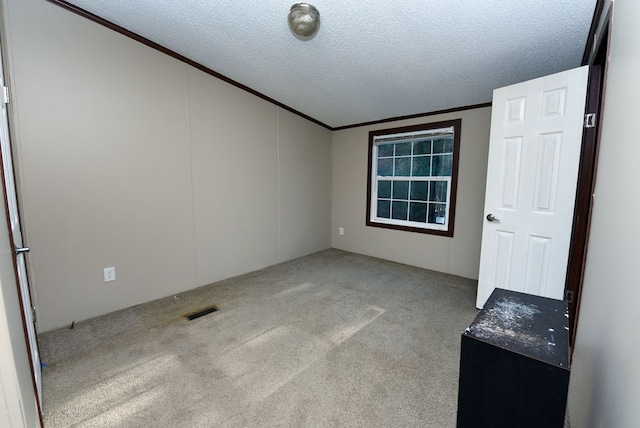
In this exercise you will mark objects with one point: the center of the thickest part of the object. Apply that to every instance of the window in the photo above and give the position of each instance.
(413, 175)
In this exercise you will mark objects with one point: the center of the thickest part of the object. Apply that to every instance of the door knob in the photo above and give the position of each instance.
(490, 217)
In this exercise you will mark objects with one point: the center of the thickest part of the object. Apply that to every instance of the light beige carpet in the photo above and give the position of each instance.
(331, 339)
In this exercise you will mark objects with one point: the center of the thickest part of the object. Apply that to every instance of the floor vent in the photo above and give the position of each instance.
(201, 313)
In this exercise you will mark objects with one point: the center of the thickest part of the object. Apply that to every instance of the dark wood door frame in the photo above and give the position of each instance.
(588, 162)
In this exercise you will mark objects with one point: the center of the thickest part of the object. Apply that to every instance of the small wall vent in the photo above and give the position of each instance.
(201, 313)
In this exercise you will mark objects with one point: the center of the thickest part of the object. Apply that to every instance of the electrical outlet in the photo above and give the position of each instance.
(341, 231)
(109, 274)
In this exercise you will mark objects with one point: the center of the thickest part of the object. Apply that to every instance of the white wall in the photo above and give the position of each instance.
(605, 375)
(130, 158)
(459, 255)
(305, 206)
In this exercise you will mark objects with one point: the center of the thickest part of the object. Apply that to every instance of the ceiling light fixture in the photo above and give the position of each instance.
(304, 21)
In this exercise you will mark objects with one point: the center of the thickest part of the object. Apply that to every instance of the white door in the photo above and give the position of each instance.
(532, 172)
(16, 236)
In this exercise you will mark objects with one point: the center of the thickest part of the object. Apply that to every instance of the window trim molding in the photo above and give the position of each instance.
(457, 125)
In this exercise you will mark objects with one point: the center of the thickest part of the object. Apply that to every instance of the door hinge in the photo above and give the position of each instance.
(568, 296)
(590, 120)
(33, 313)
(5, 94)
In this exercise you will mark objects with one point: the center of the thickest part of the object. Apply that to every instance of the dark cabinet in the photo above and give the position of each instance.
(514, 369)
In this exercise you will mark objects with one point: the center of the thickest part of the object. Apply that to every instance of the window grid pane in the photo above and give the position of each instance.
(436, 213)
(384, 208)
(418, 212)
(432, 157)
(384, 189)
(399, 210)
(423, 201)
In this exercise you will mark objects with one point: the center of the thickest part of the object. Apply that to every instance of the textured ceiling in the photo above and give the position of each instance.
(370, 60)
